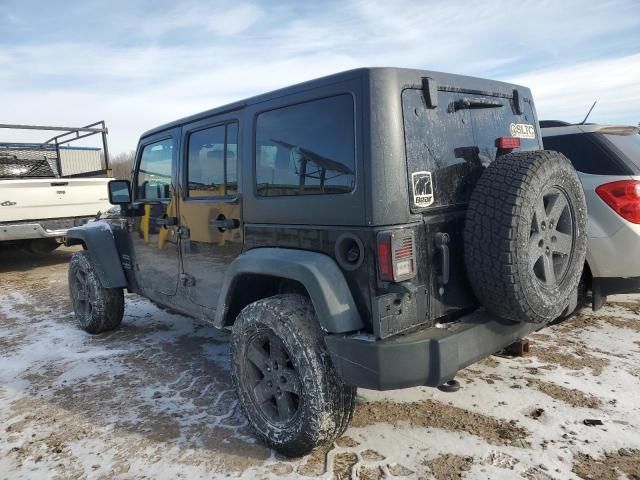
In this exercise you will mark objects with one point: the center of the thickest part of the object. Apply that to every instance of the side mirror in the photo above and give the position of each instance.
(119, 192)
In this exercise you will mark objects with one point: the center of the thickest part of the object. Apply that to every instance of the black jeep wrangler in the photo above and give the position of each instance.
(347, 231)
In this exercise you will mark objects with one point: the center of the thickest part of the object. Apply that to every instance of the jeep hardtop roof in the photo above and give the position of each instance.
(378, 78)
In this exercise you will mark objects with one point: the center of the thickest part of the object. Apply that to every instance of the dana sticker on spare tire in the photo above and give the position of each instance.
(522, 130)
(422, 189)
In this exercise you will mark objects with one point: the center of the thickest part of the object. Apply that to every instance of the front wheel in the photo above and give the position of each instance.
(97, 309)
(284, 378)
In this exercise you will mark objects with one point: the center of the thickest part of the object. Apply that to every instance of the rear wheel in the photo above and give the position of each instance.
(284, 378)
(41, 247)
(525, 236)
(97, 309)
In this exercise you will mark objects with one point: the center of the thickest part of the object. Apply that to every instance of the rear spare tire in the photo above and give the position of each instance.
(525, 236)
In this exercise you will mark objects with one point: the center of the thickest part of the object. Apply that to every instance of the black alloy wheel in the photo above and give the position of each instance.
(275, 382)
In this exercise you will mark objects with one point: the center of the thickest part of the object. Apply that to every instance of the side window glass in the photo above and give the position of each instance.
(154, 173)
(307, 148)
(212, 162)
(584, 153)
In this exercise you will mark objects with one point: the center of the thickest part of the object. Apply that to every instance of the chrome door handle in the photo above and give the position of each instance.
(165, 221)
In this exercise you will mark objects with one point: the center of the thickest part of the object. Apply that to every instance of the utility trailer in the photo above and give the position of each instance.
(47, 188)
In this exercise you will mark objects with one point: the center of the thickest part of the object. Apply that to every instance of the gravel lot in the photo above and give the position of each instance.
(154, 400)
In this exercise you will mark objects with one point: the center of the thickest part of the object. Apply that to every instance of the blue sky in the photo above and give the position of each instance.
(138, 64)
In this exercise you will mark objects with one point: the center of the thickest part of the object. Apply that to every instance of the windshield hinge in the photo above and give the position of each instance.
(187, 280)
(183, 232)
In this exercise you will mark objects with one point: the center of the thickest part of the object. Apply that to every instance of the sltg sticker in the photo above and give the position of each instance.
(522, 130)
(422, 189)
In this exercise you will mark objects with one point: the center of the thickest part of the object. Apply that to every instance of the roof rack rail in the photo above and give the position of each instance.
(53, 144)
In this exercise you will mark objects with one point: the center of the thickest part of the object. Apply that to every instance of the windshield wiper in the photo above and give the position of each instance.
(469, 104)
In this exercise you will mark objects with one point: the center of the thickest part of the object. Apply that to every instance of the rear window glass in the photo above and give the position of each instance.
(306, 149)
(447, 147)
(628, 145)
(585, 153)
(14, 164)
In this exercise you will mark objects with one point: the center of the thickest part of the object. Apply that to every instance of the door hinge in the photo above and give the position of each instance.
(183, 232)
(187, 280)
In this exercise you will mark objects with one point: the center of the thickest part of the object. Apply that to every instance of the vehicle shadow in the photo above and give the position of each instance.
(14, 259)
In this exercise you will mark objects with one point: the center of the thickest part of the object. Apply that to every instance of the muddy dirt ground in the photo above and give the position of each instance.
(154, 400)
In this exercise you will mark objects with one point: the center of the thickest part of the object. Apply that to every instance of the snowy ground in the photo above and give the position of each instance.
(154, 400)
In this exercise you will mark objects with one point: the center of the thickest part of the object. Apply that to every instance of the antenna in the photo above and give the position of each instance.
(588, 113)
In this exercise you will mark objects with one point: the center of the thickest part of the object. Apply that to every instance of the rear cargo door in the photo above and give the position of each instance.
(454, 141)
(447, 148)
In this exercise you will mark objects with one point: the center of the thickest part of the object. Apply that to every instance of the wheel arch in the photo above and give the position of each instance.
(263, 272)
(97, 239)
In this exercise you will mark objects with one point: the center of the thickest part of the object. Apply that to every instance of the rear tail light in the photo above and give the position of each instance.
(396, 255)
(507, 143)
(623, 197)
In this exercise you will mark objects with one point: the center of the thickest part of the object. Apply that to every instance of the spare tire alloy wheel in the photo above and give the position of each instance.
(525, 236)
(551, 241)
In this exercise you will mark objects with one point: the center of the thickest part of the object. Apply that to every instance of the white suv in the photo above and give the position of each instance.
(607, 159)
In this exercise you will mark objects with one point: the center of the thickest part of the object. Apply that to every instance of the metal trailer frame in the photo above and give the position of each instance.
(70, 134)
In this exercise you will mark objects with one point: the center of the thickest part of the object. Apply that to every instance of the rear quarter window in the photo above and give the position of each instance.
(306, 149)
(627, 146)
(586, 154)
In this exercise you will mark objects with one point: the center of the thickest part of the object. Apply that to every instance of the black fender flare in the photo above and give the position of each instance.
(318, 273)
(97, 237)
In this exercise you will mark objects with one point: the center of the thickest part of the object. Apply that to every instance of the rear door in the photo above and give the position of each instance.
(210, 207)
(447, 148)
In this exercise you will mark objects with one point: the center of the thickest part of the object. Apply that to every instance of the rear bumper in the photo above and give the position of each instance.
(39, 228)
(605, 254)
(428, 357)
(611, 285)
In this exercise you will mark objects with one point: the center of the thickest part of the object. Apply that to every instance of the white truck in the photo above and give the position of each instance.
(47, 188)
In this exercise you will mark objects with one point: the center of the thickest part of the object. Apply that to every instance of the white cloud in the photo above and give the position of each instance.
(218, 19)
(566, 93)
(244, 48)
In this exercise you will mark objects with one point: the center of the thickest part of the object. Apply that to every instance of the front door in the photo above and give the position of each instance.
(210, 208)
(155, 234)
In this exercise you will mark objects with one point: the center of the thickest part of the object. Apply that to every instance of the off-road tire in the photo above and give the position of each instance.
(97, 309)
(581, 297)
(325, 405)
(503, 235)
(41, 247)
